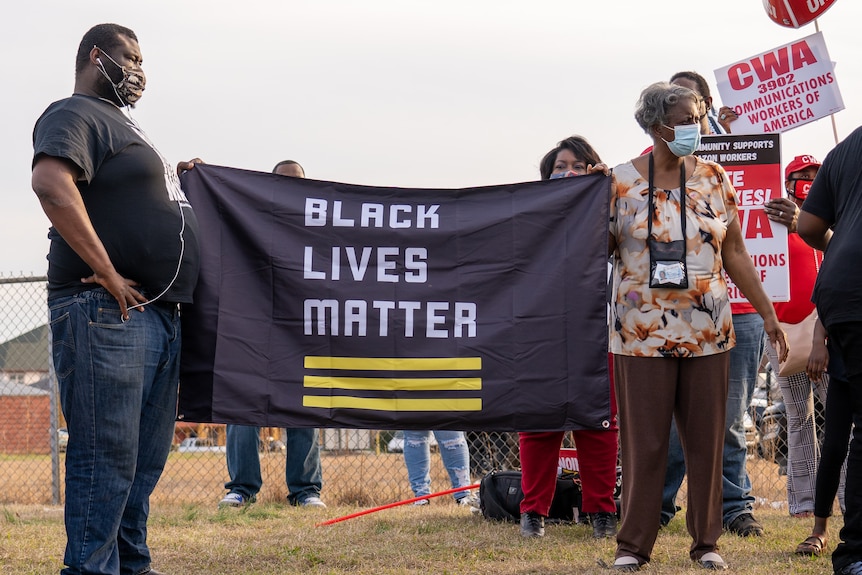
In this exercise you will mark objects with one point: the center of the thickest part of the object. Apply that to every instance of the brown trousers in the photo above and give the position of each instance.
(649, 392)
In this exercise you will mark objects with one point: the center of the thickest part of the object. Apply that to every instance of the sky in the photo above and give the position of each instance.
(403, 93)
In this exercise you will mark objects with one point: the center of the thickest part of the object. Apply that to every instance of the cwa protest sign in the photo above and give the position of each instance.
(753, 165)
(323, 304)
(781, 89)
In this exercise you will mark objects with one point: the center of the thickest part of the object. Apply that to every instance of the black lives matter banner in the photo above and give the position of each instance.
(333, 305)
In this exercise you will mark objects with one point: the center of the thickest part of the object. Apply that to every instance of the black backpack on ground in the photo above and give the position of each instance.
(500, 497)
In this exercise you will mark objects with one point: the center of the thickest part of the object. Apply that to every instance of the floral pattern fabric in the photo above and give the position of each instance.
(663, 322)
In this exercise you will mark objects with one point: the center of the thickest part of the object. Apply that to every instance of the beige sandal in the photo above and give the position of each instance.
(813, 546)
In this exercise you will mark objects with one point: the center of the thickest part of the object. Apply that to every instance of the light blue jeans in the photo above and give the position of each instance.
(453, 450)
(736, 485)
(118, 390)
(302, 470)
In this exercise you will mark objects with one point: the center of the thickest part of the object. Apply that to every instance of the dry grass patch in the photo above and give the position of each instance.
(442, 538)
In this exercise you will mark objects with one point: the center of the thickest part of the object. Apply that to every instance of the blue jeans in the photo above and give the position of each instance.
(736, 485)
(453, 450)
(302, 471)
(118, 390)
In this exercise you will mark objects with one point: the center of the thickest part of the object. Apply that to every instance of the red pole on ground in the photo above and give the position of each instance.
(396, 504)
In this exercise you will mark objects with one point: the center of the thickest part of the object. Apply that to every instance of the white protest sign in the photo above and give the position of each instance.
(753, 166)
(781, 89)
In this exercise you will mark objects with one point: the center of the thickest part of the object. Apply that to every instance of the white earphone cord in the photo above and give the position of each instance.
(128, 113)
(179, 263)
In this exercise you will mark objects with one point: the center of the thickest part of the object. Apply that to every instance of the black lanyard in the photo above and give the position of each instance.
(682, 195)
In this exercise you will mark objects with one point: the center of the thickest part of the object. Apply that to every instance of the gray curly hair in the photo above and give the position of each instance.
(655, 101)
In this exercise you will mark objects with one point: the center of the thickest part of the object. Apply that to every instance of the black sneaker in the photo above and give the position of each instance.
(604, 524)
(532, 525)
(854, 568)
(745, 525)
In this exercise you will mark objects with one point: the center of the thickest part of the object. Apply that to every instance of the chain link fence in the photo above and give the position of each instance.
(360, 467)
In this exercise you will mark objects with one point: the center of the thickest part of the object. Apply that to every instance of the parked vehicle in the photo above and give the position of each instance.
(770, 419)
(62, 439)
(199, 444)
(773, 436)
(396, 444)
(272, 444)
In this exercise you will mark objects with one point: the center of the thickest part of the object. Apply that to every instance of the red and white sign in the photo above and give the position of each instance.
(781, 89)
(795, 13)
(568, 460)
(753, 165)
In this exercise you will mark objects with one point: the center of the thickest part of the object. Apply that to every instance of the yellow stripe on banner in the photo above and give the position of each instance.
(394, 363)
(379, 404)
(393, 384)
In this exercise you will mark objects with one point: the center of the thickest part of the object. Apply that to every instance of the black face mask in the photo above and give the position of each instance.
(131, 87)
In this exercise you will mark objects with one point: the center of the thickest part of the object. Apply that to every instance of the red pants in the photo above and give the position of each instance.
(597, 466)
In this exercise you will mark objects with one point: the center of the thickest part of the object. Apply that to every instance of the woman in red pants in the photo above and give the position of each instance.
(597, 449)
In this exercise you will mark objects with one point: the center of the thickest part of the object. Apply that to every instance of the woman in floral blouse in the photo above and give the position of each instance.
(671, 321)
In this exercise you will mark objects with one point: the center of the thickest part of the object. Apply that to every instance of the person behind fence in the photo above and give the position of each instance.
(302, 470)
(673, 211)
(737, 500)
(831, 221)
(797, 391)
(597, 448)
(123, 257)
(456, 459)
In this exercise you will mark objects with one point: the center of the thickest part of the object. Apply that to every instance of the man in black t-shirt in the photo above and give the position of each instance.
(123, 257)
(831, 221)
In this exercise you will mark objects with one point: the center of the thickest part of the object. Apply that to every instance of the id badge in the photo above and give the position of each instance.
(667, 264)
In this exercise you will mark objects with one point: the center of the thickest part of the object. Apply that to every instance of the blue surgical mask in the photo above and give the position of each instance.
(685, 141)
(568, 174)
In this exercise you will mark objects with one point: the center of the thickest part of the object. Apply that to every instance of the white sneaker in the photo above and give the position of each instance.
(312, 501)
(712, 561)
(234, 500)
(421, 502)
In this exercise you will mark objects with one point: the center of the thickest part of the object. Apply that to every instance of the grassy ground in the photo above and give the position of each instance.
(442, 538)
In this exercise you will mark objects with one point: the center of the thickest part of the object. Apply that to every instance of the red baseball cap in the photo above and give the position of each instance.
(799, 163)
